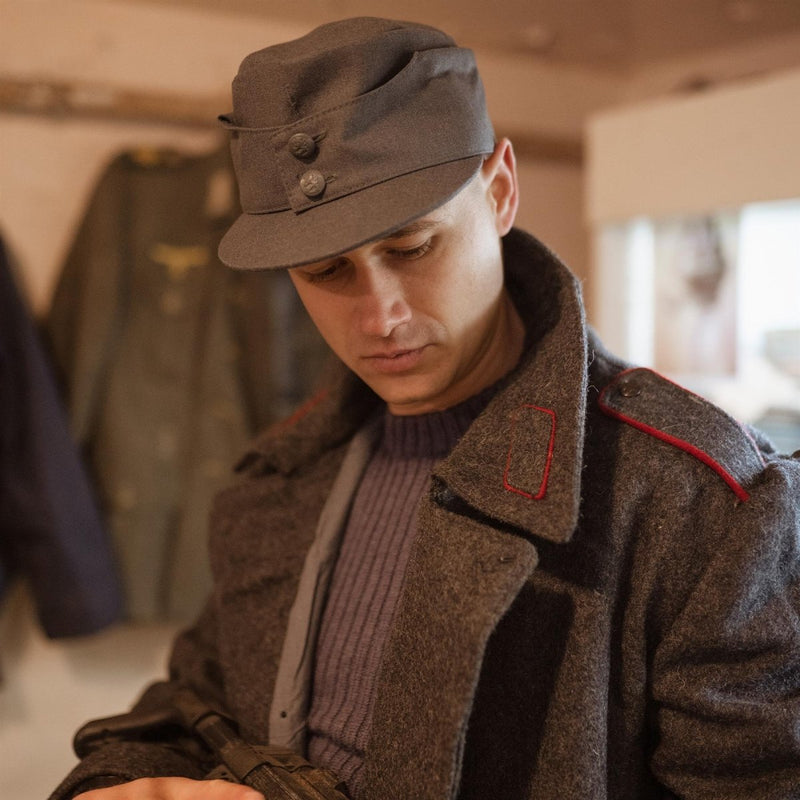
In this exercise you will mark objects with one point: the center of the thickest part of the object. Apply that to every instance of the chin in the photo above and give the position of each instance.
(400, 399)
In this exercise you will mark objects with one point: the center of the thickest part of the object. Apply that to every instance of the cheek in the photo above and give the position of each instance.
(478, 272)
(475, 303)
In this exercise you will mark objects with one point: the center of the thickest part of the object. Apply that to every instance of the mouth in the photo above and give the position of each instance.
(393, 361)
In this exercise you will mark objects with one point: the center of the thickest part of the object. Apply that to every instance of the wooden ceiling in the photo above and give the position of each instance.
(606, 34)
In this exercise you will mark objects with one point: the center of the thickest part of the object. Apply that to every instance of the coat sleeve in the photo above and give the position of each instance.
(725, 672)
(193, 663)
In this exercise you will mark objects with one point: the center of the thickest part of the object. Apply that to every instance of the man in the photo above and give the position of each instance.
(487, 560)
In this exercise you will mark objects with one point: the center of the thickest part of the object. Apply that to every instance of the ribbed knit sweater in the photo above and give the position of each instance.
(368, 578)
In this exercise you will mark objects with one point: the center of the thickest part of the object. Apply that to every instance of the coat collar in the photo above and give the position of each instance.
(520, 461)
(329, 418)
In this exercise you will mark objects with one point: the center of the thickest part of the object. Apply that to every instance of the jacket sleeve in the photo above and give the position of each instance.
(725, 672)
(193, 663)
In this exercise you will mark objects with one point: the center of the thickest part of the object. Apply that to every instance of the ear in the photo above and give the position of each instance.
(499, 173)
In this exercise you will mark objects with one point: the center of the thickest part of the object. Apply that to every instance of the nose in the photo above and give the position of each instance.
(382, 305)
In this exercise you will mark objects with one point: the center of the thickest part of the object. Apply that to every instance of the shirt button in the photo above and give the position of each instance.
(312, 183)
(301, 145)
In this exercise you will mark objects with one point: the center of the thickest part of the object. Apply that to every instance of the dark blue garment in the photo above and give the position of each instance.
(50, 529)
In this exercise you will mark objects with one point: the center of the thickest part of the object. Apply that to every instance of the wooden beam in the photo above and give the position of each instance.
(62, 100)
(58, 99)
(544, 147)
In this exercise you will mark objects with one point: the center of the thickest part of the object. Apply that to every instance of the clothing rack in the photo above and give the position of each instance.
(85, 100)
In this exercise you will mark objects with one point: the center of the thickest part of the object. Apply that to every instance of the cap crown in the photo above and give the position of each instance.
(333, 63)
(348, 133)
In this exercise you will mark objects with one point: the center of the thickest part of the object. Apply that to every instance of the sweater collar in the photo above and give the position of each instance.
(431, 435)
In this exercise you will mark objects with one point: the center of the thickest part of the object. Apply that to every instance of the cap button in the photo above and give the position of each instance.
(301, 145)
(312, 183)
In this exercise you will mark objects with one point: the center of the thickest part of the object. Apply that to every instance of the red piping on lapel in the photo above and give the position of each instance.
(737, 488)
(543, 487)
(304, 409)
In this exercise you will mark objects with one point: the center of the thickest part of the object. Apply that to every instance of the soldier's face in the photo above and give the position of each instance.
(422, 316)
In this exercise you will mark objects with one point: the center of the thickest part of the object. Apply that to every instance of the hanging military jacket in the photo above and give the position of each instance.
(170, 363)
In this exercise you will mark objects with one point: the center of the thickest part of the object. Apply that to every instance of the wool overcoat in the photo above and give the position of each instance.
(601, 602)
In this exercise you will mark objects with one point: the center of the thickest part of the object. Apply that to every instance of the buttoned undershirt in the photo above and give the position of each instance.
(368, 579)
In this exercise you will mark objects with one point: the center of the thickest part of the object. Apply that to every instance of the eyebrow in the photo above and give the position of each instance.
(414, 227)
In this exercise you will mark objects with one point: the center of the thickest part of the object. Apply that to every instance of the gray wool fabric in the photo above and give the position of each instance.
(612, 619)
(367, 581)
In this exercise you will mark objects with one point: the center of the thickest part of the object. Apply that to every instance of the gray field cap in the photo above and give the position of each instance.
(347, 134)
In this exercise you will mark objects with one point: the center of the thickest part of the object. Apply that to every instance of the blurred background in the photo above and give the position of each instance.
(657, 147)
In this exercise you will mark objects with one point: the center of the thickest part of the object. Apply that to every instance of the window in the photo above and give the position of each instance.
(712, 302)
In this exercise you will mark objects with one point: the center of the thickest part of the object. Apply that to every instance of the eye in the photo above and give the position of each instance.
(411, 253)
(326, 273)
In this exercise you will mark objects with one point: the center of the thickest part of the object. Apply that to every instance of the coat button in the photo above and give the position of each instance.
(312, 183)
(630, 388)
(301, 145)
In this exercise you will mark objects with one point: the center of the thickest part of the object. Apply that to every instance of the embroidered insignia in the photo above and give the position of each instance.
(533, 433)
(179, 260)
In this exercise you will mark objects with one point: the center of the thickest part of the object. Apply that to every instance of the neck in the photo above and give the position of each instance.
(503, 349)
(512, 342)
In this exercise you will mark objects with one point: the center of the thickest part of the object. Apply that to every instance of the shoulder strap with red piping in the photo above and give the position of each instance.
(663, 409)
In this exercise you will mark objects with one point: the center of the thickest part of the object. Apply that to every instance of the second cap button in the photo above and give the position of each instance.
(312, 183)
(301, 145)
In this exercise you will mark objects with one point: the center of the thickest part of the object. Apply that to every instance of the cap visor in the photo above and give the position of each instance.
(289, 239)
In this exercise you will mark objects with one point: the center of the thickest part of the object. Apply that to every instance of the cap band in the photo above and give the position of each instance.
(432, 112)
